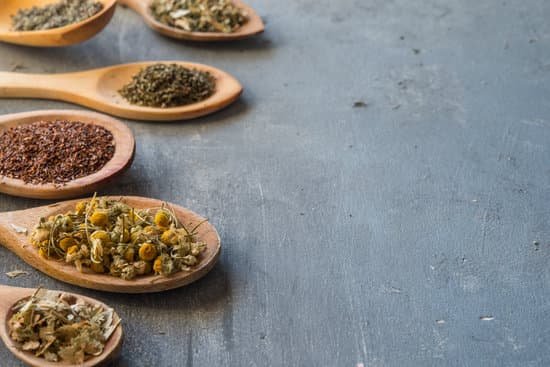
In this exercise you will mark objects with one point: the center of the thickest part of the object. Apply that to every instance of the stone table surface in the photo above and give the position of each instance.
(378, 188)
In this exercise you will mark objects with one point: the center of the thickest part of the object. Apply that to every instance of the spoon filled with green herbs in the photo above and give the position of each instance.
(199, 20)
(155, 91)
(46, 328)
(53, 23)
(116, 244)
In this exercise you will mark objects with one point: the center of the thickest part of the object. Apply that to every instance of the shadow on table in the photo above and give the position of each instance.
(209, 294)
(260, 42)
(224, 116)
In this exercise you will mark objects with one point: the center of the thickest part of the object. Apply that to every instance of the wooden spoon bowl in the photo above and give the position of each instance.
(252, 27)
(98, 89)
(122, 158)
(9, 296)
(57, 37)
(19, 244)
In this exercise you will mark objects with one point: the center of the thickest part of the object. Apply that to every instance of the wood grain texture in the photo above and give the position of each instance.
(9, 296)
(121, 160)
(252, 27)
(19, 243)
(347, 231)
(98, 89)
(57, 37)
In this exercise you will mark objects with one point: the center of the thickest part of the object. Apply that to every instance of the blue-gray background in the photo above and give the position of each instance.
(396, 234)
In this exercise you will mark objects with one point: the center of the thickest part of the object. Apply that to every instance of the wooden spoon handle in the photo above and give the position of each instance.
(66, 87)
(10, 295)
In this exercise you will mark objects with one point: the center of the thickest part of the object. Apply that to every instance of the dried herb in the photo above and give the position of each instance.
(200, 15)
(54, 15)
(54, 151)
(168, 85)
(108, 236)
(59, 327)
(16, 273)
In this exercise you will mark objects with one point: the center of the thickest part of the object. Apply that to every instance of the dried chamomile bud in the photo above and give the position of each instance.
(147, 252)
(80, 207)
(170, 237)
(99, 218)
(39, 235)
(190, 260)
(143, 267)
(197, 248)
(67, 242)
(129, 254)
(162, 219)
(102, 236)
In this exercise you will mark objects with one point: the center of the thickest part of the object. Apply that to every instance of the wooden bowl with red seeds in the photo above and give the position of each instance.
(60, 154)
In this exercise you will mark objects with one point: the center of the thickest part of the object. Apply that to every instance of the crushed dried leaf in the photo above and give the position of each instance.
(200, 15)
(60, 327)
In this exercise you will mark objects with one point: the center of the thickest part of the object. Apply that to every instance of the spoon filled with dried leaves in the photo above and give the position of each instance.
(127, 245)
(61, 154)
(199, 20)
(53, 23)
(157, 91)
(45, 328)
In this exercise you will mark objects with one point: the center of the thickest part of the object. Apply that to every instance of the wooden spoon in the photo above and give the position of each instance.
(98, 89)
(9, 296)
(122, 158)
(11, 236)
(57, 37)
(253, 26)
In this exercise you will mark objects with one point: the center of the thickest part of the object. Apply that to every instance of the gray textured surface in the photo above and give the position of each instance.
(347, 232)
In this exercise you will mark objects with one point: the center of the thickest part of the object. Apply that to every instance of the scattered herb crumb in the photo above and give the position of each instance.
(359, 104)
(416, 51)
(16, 273)
(486, 318)
(18, 229)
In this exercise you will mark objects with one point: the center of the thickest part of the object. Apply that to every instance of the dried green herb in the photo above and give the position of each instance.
(199, 15)
(108, 236)
(59, 327)
(55, 15)
(168, 85)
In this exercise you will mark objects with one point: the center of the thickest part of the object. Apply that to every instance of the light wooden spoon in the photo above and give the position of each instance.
(9, 296)
(253, 26)
(57, 37)
(98, 89)
(122, 158)
(11, 236)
